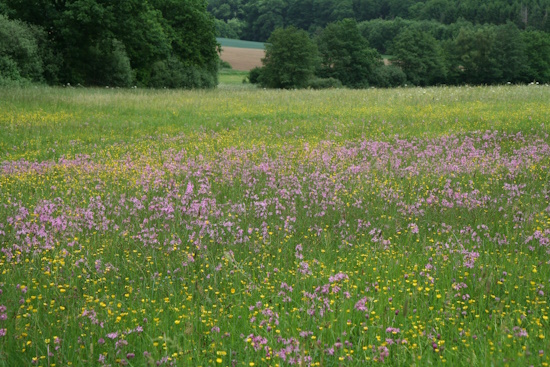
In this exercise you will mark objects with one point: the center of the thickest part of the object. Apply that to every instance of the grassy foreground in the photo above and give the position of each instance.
(251, 228)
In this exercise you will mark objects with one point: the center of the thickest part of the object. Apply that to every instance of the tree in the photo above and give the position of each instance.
(346, 55)
(20, 58)
(300, 13)
(369, 9)
(537, 51)
(510, 53)
(420, 56)
(263, 17)
(290, 59)
(192, 36)
(380, 33)
(104, 42)
(475, 61)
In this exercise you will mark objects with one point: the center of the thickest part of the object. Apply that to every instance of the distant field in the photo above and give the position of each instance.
(242, 55)
(227, 42)
(242, 58)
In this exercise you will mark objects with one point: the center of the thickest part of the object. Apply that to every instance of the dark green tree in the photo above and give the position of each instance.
(263, 17)
(300, 13)
(476, 61)
(369, 9)
(537, 52)
(104, 42)
(380, 33)
(290, 59)
(510, 54)
(346, 55)
(420, 56)
(192, 34)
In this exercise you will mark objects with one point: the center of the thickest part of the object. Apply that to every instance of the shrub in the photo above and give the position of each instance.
(388, 76)
(324, 83)
(19, 51)
(172, 73)
(254, 75)
(225, 65)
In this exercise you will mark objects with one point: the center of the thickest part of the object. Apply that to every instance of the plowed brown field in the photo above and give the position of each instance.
(242, 58)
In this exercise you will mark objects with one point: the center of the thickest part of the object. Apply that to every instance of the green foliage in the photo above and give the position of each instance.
(388, 76)
(111, 65)
(510, 54)
(380, 33)
(537, 50)
(224, 65)
(101, 42)
(346, 55)
(144, 32)
(324, 83)
(173, 73)
(290, 59)
(9, 72)
(261, 17)
(192, 33)
(420, 56)
(231, 28)
(20, 57)
(476, 61)
(226, 9)
(254, 75)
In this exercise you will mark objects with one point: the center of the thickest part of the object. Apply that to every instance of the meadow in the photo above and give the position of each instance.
(249, 227)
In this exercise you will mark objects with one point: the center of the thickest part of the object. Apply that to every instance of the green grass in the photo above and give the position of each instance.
(252, 227)
(227, 42)
(229, 77)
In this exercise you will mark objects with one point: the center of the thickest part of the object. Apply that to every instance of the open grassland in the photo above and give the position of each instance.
(253, 228)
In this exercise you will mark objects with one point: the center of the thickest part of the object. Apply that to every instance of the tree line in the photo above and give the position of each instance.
(423, 54)
(255, 20)
(156, 43)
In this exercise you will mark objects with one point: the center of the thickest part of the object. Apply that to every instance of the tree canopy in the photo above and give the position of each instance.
(290, 59)
(119, 43)
(261, 17)
(346, 55)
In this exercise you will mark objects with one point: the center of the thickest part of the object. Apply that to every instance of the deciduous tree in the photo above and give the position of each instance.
(290, 59)
(346, 55)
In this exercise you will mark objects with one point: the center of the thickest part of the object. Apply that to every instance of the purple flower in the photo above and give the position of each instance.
(360, 305)
(384, 353)
(3, 332)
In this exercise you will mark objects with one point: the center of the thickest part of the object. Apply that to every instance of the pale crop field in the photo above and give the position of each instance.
(245, 227)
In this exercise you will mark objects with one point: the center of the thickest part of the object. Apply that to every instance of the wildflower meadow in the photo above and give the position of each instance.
(238, 227)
